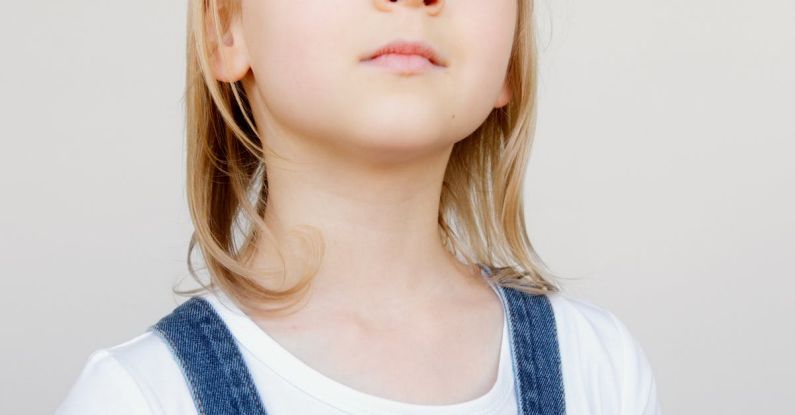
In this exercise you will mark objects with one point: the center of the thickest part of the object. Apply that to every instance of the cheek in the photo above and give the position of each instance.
(292, 54)
(304, 57)
(485, 33)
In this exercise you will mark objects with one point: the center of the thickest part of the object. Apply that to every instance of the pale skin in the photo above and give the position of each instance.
(391, 313)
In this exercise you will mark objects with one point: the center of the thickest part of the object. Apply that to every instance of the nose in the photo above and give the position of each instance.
(432, 6)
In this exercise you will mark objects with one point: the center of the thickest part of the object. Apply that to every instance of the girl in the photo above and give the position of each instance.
(354, 177)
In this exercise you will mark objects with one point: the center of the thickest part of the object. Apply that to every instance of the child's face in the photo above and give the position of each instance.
(308, 82)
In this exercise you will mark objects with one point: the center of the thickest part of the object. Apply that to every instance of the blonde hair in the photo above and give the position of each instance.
(481, 212)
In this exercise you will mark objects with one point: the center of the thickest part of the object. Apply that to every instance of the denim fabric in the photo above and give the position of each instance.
(221, 384)
(216, 373)
(536, 356)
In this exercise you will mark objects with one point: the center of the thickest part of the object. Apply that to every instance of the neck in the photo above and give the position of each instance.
(379, 227)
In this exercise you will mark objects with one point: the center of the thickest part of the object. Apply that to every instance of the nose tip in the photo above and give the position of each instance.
(432, 5)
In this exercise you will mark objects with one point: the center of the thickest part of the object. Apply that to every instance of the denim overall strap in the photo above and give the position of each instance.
(536, 354)
(217, 375)
(534, 349)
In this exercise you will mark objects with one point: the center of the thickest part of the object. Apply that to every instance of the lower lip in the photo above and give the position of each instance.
(406, 64)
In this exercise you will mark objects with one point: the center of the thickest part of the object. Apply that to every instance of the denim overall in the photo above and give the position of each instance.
(221, 384)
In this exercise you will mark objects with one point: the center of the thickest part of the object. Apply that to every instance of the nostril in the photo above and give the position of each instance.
(425, 2)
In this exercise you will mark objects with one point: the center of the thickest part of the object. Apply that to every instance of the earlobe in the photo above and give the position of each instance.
(229, 60)
(505, 96)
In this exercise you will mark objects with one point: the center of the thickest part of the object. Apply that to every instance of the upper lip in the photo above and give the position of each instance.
(403, 47)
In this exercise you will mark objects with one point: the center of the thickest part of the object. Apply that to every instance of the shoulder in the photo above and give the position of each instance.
(586, 319)
(596, 344)
(138, 376)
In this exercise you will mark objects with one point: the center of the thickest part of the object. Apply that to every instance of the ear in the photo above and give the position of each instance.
(229, 61)
(505, 95)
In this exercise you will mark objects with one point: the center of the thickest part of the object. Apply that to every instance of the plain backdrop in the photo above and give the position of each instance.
(662, 177)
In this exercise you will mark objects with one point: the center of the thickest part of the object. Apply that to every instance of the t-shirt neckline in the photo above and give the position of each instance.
(266, 350)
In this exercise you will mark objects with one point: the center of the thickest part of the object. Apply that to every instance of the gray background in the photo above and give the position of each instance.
(662, 175)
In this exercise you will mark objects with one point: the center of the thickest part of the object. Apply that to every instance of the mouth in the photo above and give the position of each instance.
(405, 57)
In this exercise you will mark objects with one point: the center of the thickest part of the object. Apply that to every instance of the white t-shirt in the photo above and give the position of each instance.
(605, 371)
